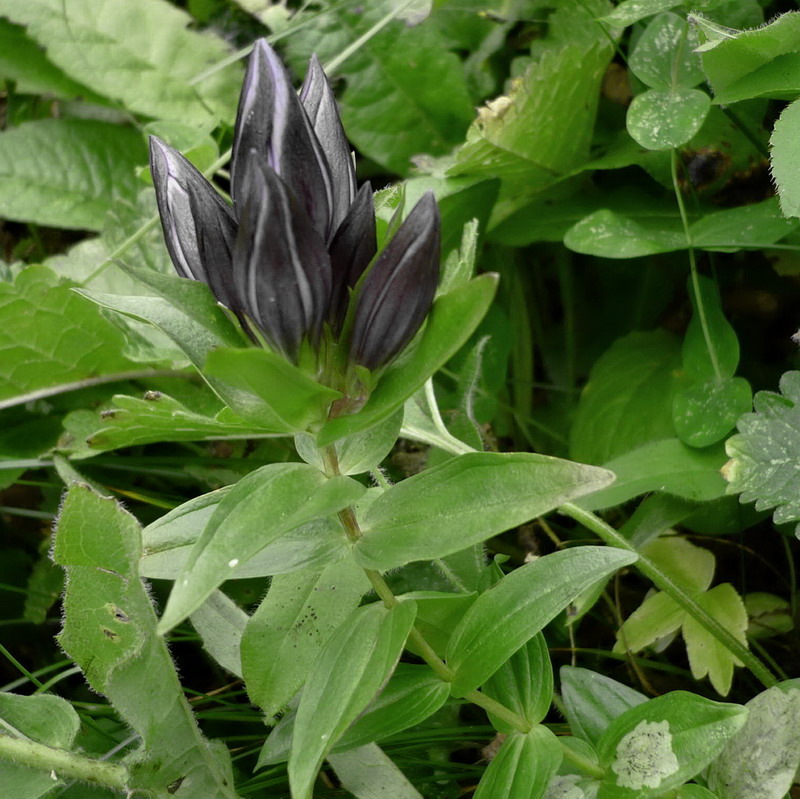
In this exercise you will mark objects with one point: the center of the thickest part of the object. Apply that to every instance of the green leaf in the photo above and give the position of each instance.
(669, 466)
(110, 632)
(412, 695)
(658, 617)
(687, 565)
(220, 622)
(49, 336)
(664, 57)
(349, 671)
(295, 399)
(45, 719)
(439, 612)
(398, 73)
(154, 417)
(510, 613)
(764, 62)
(707, 656)
(785, 158)
(23, 62)
(700, 362)
(706, 412)
(762, 758)
(523, 766)
(167, 542)
(592, 701)
(765, 453)
(627, 401)
(466, 500)
(369, 773)
(768, 615)
(655, 747)
(695, 792)
(290, 627)
(755, 225)
(524, 683)
(662, 120)
(154, 56)
(454, 317)
(65, 172)
(259, 509)
(630, 11)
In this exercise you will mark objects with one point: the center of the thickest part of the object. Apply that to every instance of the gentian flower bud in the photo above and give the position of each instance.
(288, 256)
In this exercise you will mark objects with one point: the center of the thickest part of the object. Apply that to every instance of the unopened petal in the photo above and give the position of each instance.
(273, 127)
(281, 267)
(320, 105)
(398, 291)
(199, 227)
(351, 250)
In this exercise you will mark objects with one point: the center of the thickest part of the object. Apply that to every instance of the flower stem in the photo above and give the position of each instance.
(664, 583)
(62, 763)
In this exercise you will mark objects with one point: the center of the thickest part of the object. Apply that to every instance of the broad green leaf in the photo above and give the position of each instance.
(45, 719)
(153, 417)
(689, 566)
(706, 412)
(756, 225)
(627, 401)
(764, 62)
(292, 624)
(663, 56)
(259, 509)
(110, 632)
(524, 683)
(608, 234)
(399, 73)
(438, 613)
(662, 120)
(762, 758)
(451, 322)
(658, 617)
(669, 466)
(693, 791)
(50, 337)
(570, 786)
(467, 500)
(349, 671)
(220, 622)
(630, 11)
(296, 399)
(510, 613)
(765, 453)
(22, 61)
(167, 542)
(707, 656)
(785, 158)
(523, 766)
(412, 695)
(369, 773)
(655, 747)
(66, 172)
(592, 701)
(154, 56)
(716, 355)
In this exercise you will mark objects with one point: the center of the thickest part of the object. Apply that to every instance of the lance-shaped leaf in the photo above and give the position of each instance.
(320, 105)
(352, 248)
(399, 289)
(272, 127)
(199, 227)
(282, 273)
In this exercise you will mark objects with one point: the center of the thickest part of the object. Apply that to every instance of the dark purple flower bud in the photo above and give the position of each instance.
(318, 100)
(398, 291)
(199, 226)
(351, 250)
(273, 126)
(282, 272)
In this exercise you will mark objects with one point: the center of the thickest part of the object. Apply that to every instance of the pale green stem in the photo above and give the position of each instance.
(701, 311)
(62, 763)
(664, 583)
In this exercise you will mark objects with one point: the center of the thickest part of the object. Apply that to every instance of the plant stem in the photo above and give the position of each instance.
(583, 763)
(664, 583)
(62, 763)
